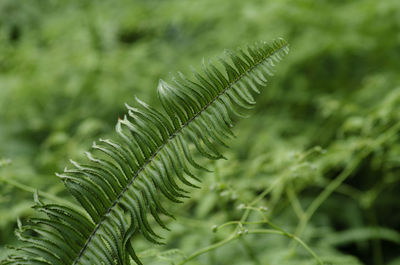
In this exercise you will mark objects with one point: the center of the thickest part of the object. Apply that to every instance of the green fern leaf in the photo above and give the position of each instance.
(119, 186)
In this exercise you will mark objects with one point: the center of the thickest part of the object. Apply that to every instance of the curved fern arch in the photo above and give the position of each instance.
(120, 184)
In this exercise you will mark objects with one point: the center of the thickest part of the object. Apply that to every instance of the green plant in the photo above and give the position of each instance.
(120, 184)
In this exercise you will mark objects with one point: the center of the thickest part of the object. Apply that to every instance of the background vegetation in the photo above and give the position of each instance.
(322, 144)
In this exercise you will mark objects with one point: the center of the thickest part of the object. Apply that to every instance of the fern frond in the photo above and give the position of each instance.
(120, 184)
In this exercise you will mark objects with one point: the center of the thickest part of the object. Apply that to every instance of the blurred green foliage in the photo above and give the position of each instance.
(324, 137)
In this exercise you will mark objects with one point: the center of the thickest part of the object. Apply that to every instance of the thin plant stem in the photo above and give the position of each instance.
(210, 248)
(325, 194)
(235, 236)
(294, 200)
(334, 184)
(301, 242)
(43, 194)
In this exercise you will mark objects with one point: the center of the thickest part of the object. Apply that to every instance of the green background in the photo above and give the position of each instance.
(331, 111)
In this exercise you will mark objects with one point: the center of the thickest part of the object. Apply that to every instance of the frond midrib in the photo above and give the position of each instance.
(170, 138)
